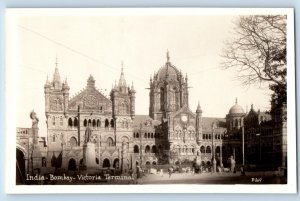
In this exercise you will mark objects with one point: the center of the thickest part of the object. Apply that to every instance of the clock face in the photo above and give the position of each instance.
(184, 118)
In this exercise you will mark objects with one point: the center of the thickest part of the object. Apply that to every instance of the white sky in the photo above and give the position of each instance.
(97, 45)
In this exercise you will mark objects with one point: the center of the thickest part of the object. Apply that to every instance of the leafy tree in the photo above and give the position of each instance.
(258, 52)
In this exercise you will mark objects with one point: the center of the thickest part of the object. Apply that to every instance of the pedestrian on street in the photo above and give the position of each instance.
(161, 172)
(170, 172)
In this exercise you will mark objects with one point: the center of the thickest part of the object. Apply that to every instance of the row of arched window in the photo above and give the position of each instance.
(148, 149)
(147, 135)
(93, 123)
(208, 149)
(217, 136)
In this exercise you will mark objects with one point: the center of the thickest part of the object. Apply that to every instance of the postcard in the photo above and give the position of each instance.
(150, 100)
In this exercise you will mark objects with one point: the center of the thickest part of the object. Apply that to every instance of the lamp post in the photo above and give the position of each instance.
(259, 135)
(243, 139)
(213, 149)
(141, 145)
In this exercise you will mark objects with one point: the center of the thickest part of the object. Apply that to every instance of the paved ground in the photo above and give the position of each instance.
(217, 178)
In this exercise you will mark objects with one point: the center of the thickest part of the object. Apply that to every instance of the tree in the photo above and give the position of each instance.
(258, 52)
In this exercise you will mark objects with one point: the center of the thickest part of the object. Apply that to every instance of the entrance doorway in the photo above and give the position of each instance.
(116, 163)
(20, 167)
(106, 163)
(72, 165)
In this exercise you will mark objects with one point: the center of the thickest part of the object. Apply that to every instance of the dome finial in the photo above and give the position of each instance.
(122, 67)
(168, 56)
(236, 100)
(56, 62)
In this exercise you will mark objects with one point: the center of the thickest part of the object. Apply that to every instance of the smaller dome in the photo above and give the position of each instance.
(236, 109)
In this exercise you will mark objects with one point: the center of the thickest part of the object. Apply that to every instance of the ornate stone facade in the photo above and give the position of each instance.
(171, 134)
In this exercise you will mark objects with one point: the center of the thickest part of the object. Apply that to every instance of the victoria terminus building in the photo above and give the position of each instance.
(93, 132)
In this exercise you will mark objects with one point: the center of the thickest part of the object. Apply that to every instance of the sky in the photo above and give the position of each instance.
(98, 44)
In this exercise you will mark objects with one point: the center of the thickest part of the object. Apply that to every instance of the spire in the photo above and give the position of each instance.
(66, 81)
(199, 110)
(122, 82)
(66, 86)
(132, 88)
(56, 62)
(168, 56)
(47, 81)
(56, 76)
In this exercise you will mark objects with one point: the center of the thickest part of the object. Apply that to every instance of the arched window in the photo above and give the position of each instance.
(75, 122)
(154, 163)
(145, 135)
(184, 149)
(98, 123)
(61, 121)
(137, 135)
(112, 123)
(94, 123)
(89, 122)
(147, 149)
(153, 150)
(70, 122)
(152, 135)
(236, 123)
(53, 121)
(148, 135)
(208, 150)
(44, 162)
(110, 142)
(73, 142)
(136, 149)
(162, 98)
(85, 123)
(53, 138)
(106, 123)
(218, 150)
(202, 149)
(160, 149)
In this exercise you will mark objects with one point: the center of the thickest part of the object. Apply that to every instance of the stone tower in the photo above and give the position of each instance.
(168, 91)
(56, 108)
(123, 102)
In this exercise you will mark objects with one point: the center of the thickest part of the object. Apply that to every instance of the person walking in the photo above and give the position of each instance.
(170, 170)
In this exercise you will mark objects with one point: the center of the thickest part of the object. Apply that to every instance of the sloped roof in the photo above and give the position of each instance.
(208, 121)
(142, 119)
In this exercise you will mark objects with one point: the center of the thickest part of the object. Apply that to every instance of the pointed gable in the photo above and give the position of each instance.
(91, 99)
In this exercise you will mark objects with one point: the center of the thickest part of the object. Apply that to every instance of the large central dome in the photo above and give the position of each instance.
(168, 71)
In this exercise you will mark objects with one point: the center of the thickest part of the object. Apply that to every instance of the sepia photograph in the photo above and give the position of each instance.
(150, 97)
